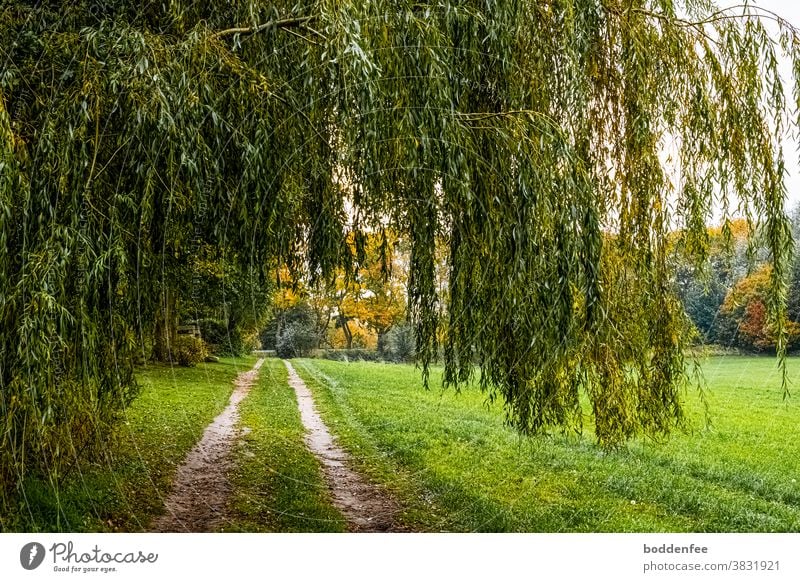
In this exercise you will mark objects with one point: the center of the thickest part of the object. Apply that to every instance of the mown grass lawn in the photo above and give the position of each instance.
(455, 465)
(123, 490)
(277, 483)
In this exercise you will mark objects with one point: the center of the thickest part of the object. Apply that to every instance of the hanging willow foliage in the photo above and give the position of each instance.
(528, 136)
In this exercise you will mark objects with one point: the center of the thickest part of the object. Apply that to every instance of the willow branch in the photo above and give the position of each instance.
(749, 11)
(300, 36)
(247, 30)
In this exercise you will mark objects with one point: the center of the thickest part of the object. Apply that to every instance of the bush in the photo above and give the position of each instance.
(295, 341)
(188, 350)
(352, 355)
(398, 344)
(213, 331)
(268, 335)
(222, 342)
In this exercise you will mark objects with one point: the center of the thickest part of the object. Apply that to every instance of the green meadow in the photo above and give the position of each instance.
(457, 466)
(122, 489)
(447, 457)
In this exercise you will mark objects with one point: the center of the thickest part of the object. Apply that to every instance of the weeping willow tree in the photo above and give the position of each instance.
(551, 146)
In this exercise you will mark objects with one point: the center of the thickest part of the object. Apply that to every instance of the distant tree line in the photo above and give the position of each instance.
(361, 314)
(727, 299)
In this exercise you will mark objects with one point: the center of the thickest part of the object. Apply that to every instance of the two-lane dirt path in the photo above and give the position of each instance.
(201, 491)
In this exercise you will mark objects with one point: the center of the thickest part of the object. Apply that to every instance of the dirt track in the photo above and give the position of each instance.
(200, 493)
(366, 507)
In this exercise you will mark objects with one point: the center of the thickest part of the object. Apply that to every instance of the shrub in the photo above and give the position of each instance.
(223, 342)
(398, 344)
(351, 355)
(213, 331)
(295, 341)
(188, 350)
(267, 336)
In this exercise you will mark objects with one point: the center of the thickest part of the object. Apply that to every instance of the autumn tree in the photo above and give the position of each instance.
(382, 282)
(516, 133)
(308, 313)
(374, 294)
(702, 288)
(744, 320)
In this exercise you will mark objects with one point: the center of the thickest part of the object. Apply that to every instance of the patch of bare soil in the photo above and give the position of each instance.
(364, 505)
(199, 498)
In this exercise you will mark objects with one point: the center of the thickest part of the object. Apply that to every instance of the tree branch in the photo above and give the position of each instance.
(247, 30)
(748, 11)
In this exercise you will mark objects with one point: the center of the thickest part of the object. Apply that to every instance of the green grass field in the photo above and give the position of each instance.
(125, 489)
(448, 458)
(455, 465)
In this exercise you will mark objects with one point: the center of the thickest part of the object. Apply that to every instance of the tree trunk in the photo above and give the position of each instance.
(381, 345)
(166, 327)
(279, 326)
(348, 335)
(321, 329)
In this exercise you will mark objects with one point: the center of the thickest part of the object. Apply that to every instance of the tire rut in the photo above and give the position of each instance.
(363, 504)
(200, 492)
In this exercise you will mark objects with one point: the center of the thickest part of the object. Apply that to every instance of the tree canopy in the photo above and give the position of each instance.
(529, 138)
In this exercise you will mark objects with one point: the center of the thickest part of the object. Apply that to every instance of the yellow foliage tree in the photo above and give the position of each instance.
(744, 315)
